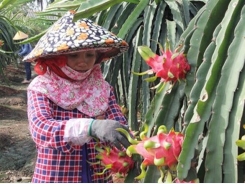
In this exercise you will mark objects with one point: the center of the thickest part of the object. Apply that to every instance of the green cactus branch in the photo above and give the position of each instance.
(230, 162)
(202, 109)
(132, 18)
(205, 25)
(155, 108)
(170, 107)
(132, 103)
(224, 93)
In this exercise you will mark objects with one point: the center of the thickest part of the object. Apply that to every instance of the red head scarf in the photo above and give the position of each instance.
(54, 63)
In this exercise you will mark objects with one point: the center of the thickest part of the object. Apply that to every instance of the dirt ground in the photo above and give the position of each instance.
(17, 150)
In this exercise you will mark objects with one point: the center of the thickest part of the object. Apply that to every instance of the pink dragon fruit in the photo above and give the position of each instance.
(161, 150)
(116, 161)
(183, 181)
(169, 66)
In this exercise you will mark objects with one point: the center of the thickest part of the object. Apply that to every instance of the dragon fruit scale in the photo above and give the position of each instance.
(118, 162)
(170, 66)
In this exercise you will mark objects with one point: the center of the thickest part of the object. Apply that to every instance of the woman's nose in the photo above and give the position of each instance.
(82, 58)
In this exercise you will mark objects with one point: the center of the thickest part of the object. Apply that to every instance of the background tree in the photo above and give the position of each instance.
(17, 15)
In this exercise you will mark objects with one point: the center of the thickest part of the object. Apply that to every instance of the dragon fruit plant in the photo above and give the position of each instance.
(115, 160)
(169, 66)
(161, 150)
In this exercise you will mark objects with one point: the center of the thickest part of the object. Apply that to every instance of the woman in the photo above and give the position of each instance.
(69, 102)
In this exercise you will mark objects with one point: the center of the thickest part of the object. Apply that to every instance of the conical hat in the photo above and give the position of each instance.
(66, 36)
(20, 36)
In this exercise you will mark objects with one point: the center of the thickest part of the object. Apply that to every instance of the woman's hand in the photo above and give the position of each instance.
(105, 130)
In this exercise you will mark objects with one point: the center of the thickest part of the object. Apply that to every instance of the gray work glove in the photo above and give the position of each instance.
(105, 130)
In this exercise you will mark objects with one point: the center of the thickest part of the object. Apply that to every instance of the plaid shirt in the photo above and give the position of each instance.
(58, 161)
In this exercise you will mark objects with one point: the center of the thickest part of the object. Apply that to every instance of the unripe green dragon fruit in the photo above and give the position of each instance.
(115, 160)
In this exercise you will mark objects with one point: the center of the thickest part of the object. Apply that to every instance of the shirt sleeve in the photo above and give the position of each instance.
(114, 111)
(45, 130)
(25, 49)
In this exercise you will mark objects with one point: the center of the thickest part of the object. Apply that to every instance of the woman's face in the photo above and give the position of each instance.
(81, 61)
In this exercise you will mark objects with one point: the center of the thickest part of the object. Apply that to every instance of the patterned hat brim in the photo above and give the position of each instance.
(66, 36)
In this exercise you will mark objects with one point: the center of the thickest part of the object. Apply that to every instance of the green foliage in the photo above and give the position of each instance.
(215, 90)
(14, 15)
(8, 48)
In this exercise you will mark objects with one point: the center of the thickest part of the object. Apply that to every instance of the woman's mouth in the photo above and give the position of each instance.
(81, 71)
(82, 65)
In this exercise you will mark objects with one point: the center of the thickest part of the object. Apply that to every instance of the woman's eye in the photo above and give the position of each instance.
(90, 55)
(73, 55)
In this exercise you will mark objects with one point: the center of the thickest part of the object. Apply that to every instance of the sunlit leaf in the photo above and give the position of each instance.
(90, 7)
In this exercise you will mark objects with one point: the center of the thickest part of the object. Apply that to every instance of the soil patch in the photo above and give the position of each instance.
(17, 150)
